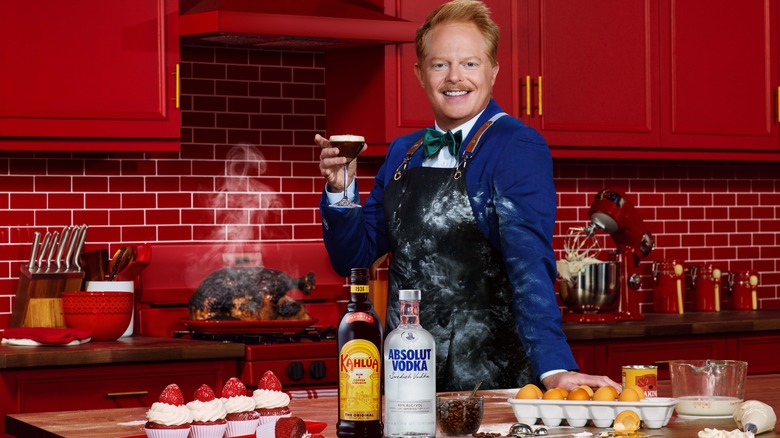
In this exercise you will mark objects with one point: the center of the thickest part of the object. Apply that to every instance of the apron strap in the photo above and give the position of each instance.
(467, 154)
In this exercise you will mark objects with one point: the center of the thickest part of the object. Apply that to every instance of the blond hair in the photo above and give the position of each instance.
(460, 11)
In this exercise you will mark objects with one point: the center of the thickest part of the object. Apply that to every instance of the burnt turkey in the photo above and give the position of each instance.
(249, 294)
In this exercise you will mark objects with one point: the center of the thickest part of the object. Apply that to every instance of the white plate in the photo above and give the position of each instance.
(654, 412)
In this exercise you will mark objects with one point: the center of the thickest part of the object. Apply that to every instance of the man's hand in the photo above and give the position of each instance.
(569, 380)
(332, 166)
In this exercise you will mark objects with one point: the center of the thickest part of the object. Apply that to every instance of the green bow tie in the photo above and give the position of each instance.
(434, 140)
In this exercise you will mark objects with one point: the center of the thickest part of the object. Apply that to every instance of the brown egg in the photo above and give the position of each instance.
(639, 391)
(605, 393)
(553, 394)
(587, 389)
(626, 422)
(529, 392)
(628, 395)
(578, 394)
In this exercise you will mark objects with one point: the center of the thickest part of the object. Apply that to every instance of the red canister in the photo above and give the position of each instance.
(706, 288)
(669, 293)
(744, 285)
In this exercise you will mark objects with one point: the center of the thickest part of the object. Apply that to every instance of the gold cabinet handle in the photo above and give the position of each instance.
(528, 95)
(778, 104)
(127, 394)
(539, 89)
(177, 96)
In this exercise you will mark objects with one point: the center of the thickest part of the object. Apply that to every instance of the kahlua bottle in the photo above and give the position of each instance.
(410, 374)
(360, 364)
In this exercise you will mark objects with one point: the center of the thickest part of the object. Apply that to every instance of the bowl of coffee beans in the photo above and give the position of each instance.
(459, 414)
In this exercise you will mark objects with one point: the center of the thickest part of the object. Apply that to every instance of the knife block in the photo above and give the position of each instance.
(46, 286)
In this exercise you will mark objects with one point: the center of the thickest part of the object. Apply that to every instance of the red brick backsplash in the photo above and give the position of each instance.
(247, 171)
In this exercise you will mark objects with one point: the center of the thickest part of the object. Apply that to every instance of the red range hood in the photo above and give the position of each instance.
(290, 24)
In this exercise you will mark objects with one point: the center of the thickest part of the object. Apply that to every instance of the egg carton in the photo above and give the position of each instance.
(654, 412)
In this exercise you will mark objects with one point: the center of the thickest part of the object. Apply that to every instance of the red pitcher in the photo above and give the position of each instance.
(668, 296)
(706, 288)
(744, 285)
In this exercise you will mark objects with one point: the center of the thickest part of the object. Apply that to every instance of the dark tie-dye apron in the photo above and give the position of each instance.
(438, 248)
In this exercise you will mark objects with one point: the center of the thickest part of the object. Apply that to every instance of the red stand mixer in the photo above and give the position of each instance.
(612, 213)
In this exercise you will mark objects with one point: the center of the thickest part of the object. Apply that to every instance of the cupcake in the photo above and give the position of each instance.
(270, 402)
(208, 414)
(168, 417)
(241, 416)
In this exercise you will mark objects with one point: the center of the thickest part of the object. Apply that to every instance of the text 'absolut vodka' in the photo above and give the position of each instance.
(405, 360)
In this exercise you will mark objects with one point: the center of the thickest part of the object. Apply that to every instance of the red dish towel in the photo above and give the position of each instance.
(46, 335)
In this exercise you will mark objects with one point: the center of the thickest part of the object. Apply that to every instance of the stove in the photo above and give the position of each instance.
(304, 359)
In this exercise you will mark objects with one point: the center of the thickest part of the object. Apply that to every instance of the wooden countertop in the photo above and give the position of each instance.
(665, 324)
(123, 350)
(113, 423)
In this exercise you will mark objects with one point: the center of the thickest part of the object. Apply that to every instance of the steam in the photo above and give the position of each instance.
(241, 204)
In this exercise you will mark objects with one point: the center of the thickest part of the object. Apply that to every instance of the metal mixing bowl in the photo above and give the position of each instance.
(593, 289)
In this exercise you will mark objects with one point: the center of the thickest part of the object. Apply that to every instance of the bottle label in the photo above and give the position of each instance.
(360, 379)
(358, 288)
(359, 317)
(410, 361)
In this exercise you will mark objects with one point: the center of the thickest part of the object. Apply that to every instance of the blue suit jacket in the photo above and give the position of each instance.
(511, 190)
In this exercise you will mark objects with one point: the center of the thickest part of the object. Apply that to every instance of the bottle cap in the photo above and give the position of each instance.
(409, 295)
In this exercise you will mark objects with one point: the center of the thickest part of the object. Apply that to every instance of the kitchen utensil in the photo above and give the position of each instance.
(666, 281)
(134, 268)
(114, 286)
(743, 290)
(74, 238)
(708, 387)
(43, 250)
(34, 250)
(579, 245)
(55, 241)
(706, 288)
(106, 314)
(80, 247)
(37, 296)
(678, 272)
(122, 257)
(595, 288)
(716, 276)
(61, 247)
(613, 213)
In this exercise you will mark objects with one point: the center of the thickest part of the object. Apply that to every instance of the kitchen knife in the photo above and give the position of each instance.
(61, 248)
(34, 250)
(80, 247)
(55, 240)
(42, 252)
(74, 240)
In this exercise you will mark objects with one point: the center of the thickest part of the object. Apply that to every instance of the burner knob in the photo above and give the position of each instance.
(295, 371)
(317, 370)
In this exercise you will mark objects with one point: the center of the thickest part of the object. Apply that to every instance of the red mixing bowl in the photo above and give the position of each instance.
(105, 314)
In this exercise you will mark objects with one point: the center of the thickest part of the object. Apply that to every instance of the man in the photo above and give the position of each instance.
(469, 224)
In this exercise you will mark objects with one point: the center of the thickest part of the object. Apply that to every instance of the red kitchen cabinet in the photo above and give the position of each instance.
(593, 69)
(608, 356)
(611, 90)
(105, 386)
(720, 75)
(89, 75)
(598, 78)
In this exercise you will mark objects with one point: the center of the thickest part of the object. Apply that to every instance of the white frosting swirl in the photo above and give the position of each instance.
(169, 415)
(239, 403)
(211, 410)
(267, 399)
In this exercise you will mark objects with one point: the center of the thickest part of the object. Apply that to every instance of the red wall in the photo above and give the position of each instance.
(214, 190)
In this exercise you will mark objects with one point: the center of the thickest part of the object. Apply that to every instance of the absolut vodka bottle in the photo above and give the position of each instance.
(410, 374)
